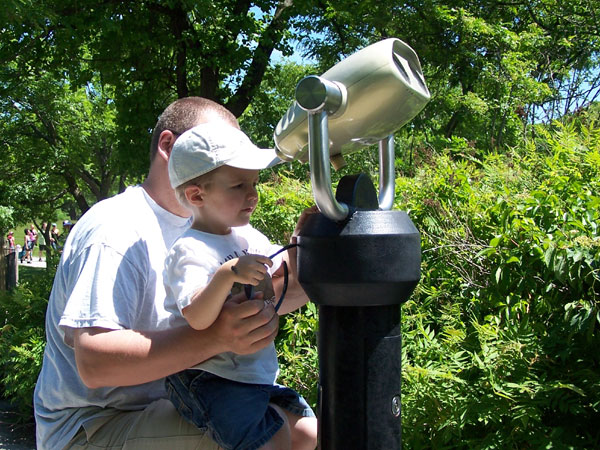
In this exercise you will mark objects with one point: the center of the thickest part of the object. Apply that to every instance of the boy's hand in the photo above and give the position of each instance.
(250, 269)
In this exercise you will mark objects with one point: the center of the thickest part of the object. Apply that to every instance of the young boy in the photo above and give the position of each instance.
(214, 169)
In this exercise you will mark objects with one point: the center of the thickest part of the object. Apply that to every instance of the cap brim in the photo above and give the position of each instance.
(256, 159)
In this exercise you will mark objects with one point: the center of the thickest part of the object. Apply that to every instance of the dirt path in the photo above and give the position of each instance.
(35, 263)
(14, 437)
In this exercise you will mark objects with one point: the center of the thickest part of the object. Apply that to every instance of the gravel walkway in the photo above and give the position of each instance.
(14, 437)
(35, 263)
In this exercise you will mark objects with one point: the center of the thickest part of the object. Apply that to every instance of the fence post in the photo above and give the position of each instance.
(9, 269)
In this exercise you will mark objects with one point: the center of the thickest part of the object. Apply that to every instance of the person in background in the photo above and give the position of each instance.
(67, 225)
(54, 235)
(27, 246)
(10, 239)
(109, 340)
(62, 238)
(34, 235)
(42, 240)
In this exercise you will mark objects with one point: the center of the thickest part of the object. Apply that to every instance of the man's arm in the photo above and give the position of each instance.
(128, 357)
(295, 296)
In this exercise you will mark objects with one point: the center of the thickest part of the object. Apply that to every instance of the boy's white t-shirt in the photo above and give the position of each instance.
(109, 276)
(190, 264)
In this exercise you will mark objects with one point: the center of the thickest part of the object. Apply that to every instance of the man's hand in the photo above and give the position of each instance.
(245, 326)
(302, 220)
(291, 256)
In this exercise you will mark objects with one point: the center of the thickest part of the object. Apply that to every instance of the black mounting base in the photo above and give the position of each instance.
(359, 272)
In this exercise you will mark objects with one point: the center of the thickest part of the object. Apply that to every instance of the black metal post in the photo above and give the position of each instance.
(359, 271)
(12, 270)
(360, 364)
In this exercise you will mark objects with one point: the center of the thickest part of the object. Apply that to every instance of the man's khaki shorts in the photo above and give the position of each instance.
(158, 427)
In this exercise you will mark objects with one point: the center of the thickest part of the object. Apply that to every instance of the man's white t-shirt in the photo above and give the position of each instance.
(190, 264)
(109, 276)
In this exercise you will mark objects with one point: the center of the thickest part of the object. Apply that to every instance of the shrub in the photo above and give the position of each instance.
(281, 200)
(22, 336)
(500, 336)
(297, 352)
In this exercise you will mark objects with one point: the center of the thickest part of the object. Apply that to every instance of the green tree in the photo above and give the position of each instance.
(151, 52)
(273, 98)
(84, 83)
(491, 66)
(60, 145)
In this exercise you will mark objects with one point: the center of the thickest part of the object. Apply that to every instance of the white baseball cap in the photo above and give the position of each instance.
(213, 144)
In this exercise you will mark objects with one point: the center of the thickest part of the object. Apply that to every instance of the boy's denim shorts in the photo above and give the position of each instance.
(236, 415)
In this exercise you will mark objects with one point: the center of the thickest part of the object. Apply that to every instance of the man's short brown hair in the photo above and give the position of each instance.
(186, 113)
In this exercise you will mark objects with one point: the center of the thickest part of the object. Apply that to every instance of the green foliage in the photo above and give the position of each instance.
(217, 49)
(274, 97)
(61, 145)
(296, 346)
(281, 200)
(6, 220)
(22, 337)
(81, 86)
(500, 337)
(491, 67)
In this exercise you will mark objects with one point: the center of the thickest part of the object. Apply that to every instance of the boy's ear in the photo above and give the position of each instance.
(194, 195)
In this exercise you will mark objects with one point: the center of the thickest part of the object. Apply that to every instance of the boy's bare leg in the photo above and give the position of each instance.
(303, 431)
(297, 433)
(282, 440)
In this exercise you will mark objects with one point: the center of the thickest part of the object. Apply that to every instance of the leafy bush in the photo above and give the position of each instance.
(281, 200)
(500, 336)
(22, 336)
(297, 352)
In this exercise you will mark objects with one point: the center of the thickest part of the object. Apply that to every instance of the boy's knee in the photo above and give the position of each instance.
(304, 434)
(296, 433)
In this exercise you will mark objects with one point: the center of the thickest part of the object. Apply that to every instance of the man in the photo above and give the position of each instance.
(54, 235)
(42, 241)
(109, 345)
(67, 225)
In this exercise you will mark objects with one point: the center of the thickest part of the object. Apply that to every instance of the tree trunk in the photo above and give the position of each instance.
(452, 123)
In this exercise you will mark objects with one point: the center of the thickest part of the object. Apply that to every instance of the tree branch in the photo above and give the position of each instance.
(260, 61)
